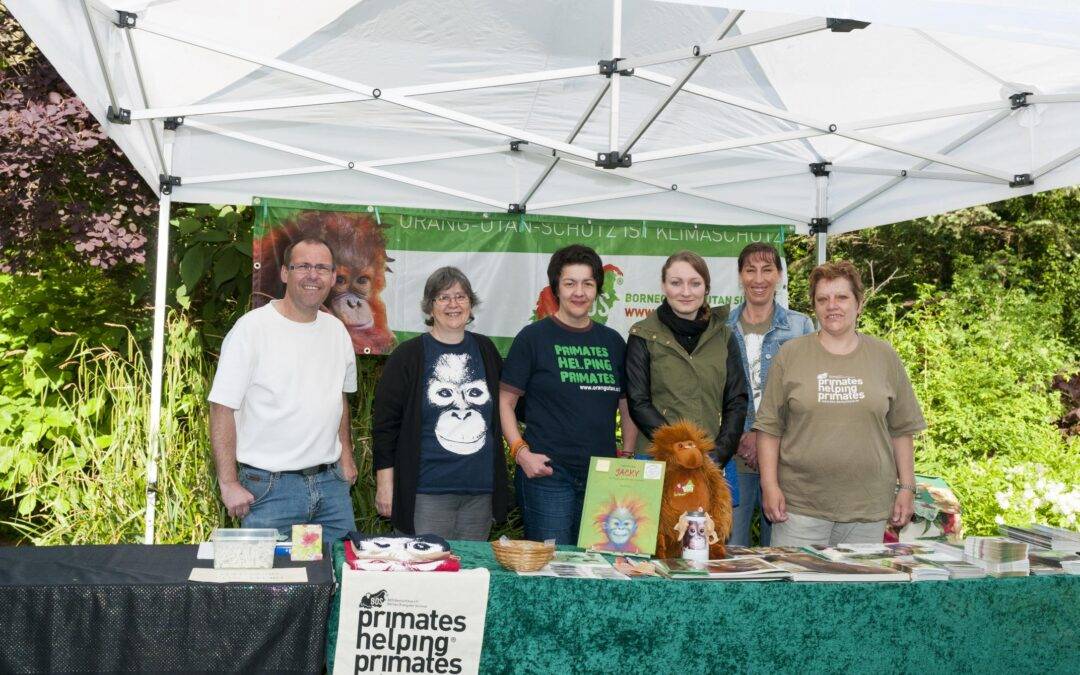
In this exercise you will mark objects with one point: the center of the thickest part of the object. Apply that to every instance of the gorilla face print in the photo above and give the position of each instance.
(457, 392)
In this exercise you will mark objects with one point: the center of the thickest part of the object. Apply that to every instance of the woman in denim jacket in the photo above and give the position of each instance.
(760, 325)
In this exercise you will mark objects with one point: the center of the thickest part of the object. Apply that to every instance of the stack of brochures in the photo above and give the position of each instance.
(1000, 557)
(729, 569)
(1044, 536)
(917, 569)
(1046, 561)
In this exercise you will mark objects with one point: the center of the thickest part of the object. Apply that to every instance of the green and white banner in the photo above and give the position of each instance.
(385, 254)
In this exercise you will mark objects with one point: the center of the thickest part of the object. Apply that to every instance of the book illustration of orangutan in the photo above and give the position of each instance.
(359, 247)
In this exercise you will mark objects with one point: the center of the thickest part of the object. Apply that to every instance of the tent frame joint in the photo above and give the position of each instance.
(609, 67)
(515, 146)
(613, 160)
(126, 19)
(1019, 99)
(820, 169)
(516, 208)
(845, 25)
(118, 115)
(1021, 180)
(167, 182)
(819, 225)
(172, 123)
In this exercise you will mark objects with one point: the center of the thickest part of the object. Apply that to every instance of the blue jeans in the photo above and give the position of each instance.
(551, 505)
(743, 515)
(284, 499)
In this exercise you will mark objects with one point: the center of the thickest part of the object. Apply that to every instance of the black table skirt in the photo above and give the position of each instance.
(131, 608)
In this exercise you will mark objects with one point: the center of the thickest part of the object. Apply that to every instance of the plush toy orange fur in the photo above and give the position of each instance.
(692, 482)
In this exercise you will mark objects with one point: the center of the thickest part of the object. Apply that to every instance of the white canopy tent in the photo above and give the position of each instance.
(827, 115)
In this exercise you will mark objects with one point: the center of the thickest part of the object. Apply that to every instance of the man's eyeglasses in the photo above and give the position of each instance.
(445, 298)
(307, 267)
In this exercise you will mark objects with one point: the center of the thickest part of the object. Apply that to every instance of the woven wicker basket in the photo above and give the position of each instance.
(521, 555)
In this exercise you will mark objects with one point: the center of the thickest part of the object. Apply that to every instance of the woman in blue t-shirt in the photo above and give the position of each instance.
(569, 370)
(437, 443)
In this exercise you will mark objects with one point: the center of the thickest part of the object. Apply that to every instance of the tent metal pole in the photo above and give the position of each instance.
(353, 97)
(1054, 98)
(582, 120)
(747, 40)
(748, 142)
(100, 57)
(877, 192)
(344, 163)
(916, 173)
(673, 187)
(725, 27)
(831, 128)
(962, 59)
(387, 95)
(821, 210)
(1056, 162)
(157, 350)
(130, 42)
(744, 178)
(933, 157)
(616, 89)
(924, 115)
(326, 168)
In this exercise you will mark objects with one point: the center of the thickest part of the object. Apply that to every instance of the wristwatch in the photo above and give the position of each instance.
(906, 487)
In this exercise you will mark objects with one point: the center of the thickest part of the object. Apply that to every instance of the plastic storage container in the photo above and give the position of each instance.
(237, 548)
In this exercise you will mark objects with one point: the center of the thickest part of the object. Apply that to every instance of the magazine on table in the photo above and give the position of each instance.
(759, 551)
(857, 552)
(727, 569)
(809, 567)
(578, 565)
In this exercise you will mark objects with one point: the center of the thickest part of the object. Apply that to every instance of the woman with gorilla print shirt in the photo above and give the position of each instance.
(439, 467)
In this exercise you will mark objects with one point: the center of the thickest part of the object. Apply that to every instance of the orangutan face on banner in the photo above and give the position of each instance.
(359, 275)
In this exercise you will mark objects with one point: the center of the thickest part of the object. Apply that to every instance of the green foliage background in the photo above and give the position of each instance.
(983, 305)
(982, 310)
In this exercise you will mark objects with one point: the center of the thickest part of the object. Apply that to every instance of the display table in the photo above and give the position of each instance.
(542, 624)
(131, 608)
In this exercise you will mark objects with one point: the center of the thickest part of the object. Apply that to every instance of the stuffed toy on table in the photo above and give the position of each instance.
(692, 482)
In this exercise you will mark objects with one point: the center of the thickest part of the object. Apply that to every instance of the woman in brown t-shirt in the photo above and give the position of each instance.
(837, 422)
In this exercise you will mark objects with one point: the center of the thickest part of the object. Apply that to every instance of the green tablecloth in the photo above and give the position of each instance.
(542, 624)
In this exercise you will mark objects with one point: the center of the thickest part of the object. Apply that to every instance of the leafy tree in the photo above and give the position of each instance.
(63, 183)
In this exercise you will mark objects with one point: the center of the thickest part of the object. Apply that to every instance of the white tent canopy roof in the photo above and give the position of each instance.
(277, 99)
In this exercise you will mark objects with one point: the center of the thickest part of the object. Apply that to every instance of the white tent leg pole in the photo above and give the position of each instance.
(821, 201)
(157, 352)
(616, 89)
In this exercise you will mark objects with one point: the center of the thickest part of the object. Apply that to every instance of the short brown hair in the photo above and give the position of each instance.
(693, 260)
(575, 254)
(309, 239)
(839, 269)
(762, 250)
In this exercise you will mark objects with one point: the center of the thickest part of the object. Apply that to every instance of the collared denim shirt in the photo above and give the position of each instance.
(786, 324)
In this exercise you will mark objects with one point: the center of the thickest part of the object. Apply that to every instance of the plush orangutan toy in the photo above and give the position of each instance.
(692, 482)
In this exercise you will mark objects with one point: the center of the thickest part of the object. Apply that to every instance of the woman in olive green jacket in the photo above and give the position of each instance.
(682, 362)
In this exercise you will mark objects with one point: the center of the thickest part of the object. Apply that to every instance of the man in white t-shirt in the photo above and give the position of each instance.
(279, 418)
